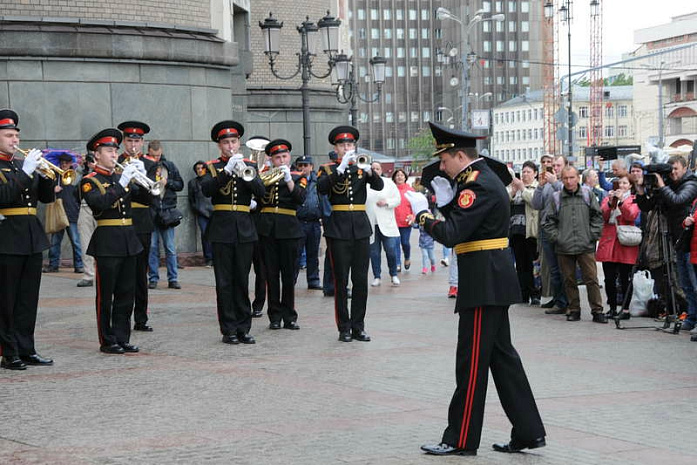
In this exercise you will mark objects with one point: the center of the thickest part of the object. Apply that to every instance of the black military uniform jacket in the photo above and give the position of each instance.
(230, 226)
(22, 234)
(347, 189)
(280, 225)
(480, 210)
(109, 201)
(142, 216)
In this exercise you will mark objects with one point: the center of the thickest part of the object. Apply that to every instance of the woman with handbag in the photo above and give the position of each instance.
(619, 215)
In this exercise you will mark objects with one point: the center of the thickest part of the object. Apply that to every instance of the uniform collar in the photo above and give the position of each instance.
(101, 170)
(6, 157)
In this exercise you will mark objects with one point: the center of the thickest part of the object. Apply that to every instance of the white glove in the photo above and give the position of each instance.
(417, 200)
(252, 204)
(349, 157)
(31, 161)
(127, 175)
(286, 173)
(368, 170)
(230, 167)
(139, 165)
(443, 190)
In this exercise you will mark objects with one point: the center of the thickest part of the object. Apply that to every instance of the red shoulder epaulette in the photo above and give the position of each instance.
(92, 174)
(297, 173)
(210, 162)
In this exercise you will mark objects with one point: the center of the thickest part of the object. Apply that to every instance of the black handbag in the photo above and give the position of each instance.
(169, 218)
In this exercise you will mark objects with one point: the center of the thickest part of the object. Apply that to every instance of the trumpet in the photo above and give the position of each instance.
(50, 170)
(363, 161)
(154, 187)
(247, 173)
(271, 176)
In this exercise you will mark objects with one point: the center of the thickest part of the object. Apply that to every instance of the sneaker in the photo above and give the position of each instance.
(376, 282)
(444, 262)
(687, 326)
(433, 268)
(693, 331)
(399, 268)
(174, 285)
(535, 301)
(85, 283)
(424, 270)
(50, 269)
(395, 281)
(452, 292)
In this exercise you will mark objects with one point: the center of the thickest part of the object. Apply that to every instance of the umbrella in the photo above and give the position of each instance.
(53, 156)
(432, 170)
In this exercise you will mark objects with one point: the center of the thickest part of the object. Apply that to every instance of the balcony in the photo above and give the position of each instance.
(687, 97)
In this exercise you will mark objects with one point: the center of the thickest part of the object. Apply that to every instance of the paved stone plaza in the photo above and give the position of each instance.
(301, 397)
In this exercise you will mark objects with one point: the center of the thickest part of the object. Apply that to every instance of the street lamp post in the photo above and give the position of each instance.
(468, 56)
(328, 27)
(347, 82)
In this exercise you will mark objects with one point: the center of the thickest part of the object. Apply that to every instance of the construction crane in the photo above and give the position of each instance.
(595, 128)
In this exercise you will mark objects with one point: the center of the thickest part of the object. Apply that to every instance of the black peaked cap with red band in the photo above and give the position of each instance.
(225, 129)
(134, 129)
(9, 119)
(105, 138)
(277, 146)
(343, 134)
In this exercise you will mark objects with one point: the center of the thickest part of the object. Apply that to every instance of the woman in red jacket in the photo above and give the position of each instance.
(404, 217)
(618, 209)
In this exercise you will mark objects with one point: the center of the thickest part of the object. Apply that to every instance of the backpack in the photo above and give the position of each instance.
(585, 191)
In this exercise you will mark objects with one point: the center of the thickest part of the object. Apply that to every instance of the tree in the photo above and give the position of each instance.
(421, 146)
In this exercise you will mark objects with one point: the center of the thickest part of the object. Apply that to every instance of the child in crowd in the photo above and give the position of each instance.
(426, 244)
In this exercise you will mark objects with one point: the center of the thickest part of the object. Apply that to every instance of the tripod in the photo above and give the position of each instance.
(667, 253)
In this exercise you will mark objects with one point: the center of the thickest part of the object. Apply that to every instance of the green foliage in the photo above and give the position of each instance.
(421, 146)
(618, 80)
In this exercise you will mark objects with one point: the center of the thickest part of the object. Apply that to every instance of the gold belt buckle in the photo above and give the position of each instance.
(351, 207)
(234, 208)
(275, 209)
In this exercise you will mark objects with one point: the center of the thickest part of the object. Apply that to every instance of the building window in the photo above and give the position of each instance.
(487, 45)
(425, 14)
(425, 52)
(390, 143)
(386, 14)
(374, 14)
(622, 131)
(524, 26)
(526, 80)
(499, 6)
(388, 97)
(609, 111)
(376, 117)
(499, 26)
(387, 33)
(413, 33)
(424, 33)
(413, 52)
(375, 33)
(425, 71)
(427, 116)
(525, 46)
(388, 71)
(361, 14)
(388, 52)
(413, 71)
(402, 143)
(621, 111)
(512, 46)
(361, 52)
(412, 15)
(499, 45)
(438, 33)
(513, 80)
(399, 15)
(583, 112)
(525, 7)
(401, 71)
(361, 33)
(512, 7)
(400, 33)
(486, 6)
(389, 117)
(402, 116)
(400, 52)
(364, 117)
(438, 71)
(511, 26)
(609, 131)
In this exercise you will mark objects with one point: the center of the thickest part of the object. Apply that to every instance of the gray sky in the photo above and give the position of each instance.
(620, 19)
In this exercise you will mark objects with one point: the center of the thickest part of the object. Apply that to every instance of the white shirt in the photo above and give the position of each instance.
(383, 216)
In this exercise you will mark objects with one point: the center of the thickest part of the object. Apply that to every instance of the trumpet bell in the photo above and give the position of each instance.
(272, 176)
(363, 161)
(68, 177)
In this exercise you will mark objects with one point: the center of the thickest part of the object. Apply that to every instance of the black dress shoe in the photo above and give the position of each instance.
(142, 327)
(549, 304)
(599, 317)
(291, 325)
(315, 287)
(85, 283)
(79, 270)
(361, 336)
(35, 359)
(345, 336)
(573, 316)
(152, 285)
(174, 285)
(446, 449)
(328, 294)
(246, 338)
(112, 349)
(230, 339)
(129, 347)
(257, 313)
(555, 311)
(517, 446)
(50, 269)
(13, 363)
(275, 325)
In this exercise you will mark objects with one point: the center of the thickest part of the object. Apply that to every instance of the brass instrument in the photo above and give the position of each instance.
(50, 170)
(363, 161)
(154, 187)
(242, 170)
(257, 145)
(271, 176)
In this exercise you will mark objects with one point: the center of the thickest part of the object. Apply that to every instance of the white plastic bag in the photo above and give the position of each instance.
(643, 291)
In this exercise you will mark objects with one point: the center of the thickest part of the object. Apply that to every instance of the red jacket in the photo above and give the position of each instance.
(693, 240)
(609, 247)
(403, 210)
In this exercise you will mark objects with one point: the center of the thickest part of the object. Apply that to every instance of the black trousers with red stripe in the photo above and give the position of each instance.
(116, 285)
(350, 256)
(484, 343)
(140, 310)
(280, 257)
(19, 299)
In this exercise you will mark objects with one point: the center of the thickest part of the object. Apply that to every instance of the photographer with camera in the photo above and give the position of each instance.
(670, 189)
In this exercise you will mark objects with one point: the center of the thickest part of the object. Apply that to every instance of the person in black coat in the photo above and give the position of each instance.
(279, 232)
(476, 211)
(202, 208)
(348, 230)
(114, 244)
(231, 231)
(21, 247)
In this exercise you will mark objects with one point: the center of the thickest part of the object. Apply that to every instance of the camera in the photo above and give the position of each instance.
(663, 169)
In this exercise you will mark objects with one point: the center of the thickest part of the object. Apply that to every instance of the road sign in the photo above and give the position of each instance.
(562, 133)
(561, 116)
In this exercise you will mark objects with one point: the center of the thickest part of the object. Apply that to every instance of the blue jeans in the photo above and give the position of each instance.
(688, 283)
(390, 245)
(554, 272)
(310, 245)
(167, 236)
(54, 253)
(428, 257)
(404, 236)
(202, 225)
